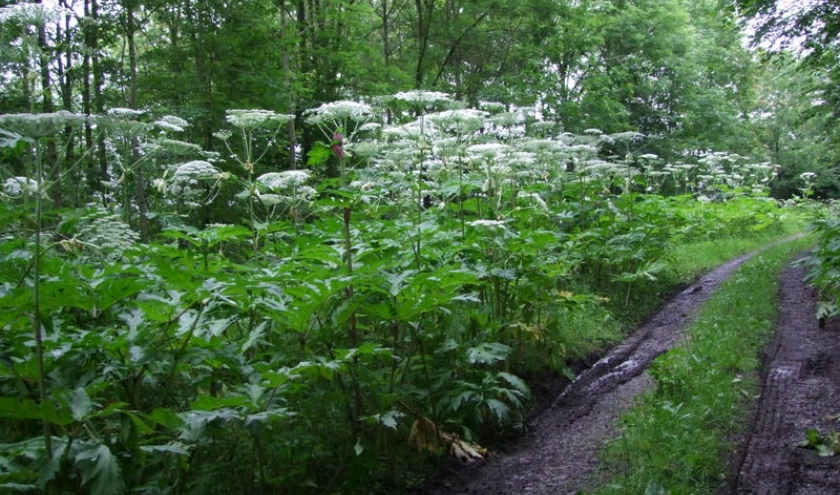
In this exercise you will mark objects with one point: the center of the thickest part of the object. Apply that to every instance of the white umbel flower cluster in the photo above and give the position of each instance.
(338, 111)
(171, 123)
(491, 225)
(34, 14)
(18, 186)
(125, 112)
(255, 119)
(283, 180)
(489, 150)
(39, 125)
(188, 175)
(193, 171)
(463, 121)
(421, 97)
(107, 232)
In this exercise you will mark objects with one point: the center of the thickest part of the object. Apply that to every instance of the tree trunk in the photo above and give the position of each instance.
(290, 89)
(424, 18)
(47, 104)
(140, 179)
(98, 98)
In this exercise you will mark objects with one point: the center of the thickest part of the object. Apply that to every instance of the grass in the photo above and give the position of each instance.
(691, 259)
(675, 440)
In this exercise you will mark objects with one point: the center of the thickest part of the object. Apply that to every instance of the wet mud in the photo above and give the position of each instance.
(800, 391)
(560, 453)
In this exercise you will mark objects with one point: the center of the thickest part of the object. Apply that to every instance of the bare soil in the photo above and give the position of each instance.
(800, 390)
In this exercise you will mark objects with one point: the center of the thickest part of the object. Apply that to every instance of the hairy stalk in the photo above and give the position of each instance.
(354, 337)
(36, 297)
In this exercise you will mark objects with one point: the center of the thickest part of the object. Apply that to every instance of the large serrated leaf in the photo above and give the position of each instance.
(100, 468)
(488, 353)
(518, 384)
(29, 409)
(80, 404)
(499, 409)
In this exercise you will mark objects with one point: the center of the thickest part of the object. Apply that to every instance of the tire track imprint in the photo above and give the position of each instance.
(800, 390)
(559, 455)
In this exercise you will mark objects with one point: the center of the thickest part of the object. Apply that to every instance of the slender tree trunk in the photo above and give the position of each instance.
(98, 98)
(87, 100)
(203, 72)
(290, 89)
(139, 175)
(67, 75)
(424, 17)
(47, 104)
(386, 33)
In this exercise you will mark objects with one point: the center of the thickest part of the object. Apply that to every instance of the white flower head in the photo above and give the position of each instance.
(422, 97)
(178, 147)
(16, 186)
(509, 119)
(39, 125)
(492, 225)
(34, 14)
(534, 197)
(223, 135)
(492, 106)
(283, 180)
(626, 136)
(583, 149)
(254, 119)
(172, 123)
(541, 145)
(370, 127)
(807, 176)
(159, 185)
(463, 121)
(338, 111)
(489, 150)
(125, 112)
(270, 199)
(193, 171)
(364, 148)
(522, 159)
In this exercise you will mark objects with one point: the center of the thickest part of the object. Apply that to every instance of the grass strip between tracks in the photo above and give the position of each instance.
(675, 440)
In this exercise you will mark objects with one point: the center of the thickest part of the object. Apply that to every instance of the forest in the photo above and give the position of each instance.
(324, 246)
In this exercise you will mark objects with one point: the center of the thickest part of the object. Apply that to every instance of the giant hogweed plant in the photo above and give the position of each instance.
(823, 262)
(391, 308)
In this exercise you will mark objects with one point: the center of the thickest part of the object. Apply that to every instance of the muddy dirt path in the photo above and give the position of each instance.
(800, 390)
(559, 455)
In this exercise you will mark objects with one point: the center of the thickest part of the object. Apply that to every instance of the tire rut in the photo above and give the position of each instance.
(800, 390)
(560, 453)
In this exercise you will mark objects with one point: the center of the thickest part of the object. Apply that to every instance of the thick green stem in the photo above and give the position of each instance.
(353, 330)
(36, 298)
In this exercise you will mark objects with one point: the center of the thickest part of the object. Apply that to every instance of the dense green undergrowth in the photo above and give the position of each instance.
(344, 323)
(676, 439)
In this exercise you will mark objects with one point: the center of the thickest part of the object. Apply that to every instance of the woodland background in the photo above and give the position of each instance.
(316, 246)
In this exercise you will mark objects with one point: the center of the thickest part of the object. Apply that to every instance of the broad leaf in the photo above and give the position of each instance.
(488, 353)
(170, 448)
(100, 468)
(80, 404)
(29, 409)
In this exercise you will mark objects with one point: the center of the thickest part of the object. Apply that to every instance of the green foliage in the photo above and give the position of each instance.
(826, 446)
(280, 329)
(678, 438)
(823, 263)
